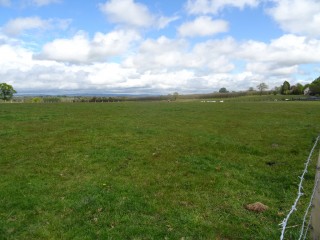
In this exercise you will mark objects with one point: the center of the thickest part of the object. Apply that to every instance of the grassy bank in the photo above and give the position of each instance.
(152, 170)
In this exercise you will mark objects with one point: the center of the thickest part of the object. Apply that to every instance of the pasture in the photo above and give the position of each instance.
(152, 170)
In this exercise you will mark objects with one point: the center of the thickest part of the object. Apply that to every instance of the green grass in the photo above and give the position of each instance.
(260, 98)
(152, 170)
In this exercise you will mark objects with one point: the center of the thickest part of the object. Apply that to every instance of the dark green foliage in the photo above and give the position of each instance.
(315, 87)
(285, 88)
(223, 90)
(297, 89)
(276, 90)
(51, 99)
(6, 91)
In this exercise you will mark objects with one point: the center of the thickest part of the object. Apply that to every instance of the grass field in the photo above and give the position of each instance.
(152, 170)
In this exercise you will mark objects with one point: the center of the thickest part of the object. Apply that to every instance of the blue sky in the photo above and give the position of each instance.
(157, 47)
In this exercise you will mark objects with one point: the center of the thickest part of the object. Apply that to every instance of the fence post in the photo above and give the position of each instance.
(315, 212)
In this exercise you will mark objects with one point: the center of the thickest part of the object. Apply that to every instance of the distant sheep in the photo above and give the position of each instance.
(212, 101)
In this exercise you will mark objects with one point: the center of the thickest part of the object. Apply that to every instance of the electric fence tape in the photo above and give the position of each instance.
(294, 206)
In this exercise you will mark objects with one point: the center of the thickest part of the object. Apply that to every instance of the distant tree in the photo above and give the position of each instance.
(36, 100)
(315, 87)
(300, 88)
(285, 88)
(261, 87)
(297, 89)
(51, 99)
(306, 86)
(276, 90)
(251, 89)
(6, 91)
(317, 80)
(223, 90)
(175, 95)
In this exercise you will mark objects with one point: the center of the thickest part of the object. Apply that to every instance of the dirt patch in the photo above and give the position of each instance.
(256, 207)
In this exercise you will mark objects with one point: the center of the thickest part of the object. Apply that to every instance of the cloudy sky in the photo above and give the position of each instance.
(157, 46)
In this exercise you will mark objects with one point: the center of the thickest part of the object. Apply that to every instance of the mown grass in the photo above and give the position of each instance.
(152, 170)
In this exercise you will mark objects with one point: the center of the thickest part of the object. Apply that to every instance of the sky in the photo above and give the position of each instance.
(157, 46)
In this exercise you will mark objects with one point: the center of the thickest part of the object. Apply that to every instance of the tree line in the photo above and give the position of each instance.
(313, 89)
(286, 88)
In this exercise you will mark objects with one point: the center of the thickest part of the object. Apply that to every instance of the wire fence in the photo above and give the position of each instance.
(303, 231)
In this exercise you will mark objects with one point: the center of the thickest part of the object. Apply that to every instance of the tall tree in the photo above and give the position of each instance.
(276, 90)
(6, 91)
(285, 88)
(315, 86)
(297, 89)
(261, 87)
(175, 95)
(223, 90)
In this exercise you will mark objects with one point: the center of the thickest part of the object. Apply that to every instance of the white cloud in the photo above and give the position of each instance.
(45, 2)
(81, 49)
(297, 16)
(160, 53)
(113, 43)
(167, 81)
(12, 56)
(47, 79)
(203, 26)
(110, 75)
(279, 60)
(214, 6)
(25, 73)
(269, 69)
(19, 25)
(164, 54)
(76, 49)
(38, 3)
(5, 3)
(281, 56)
(288, 50)
(127, 12)
(215, 55)
(41, 3)
(161, 65)
(162, 21)
(131, 13)
(217, 47)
